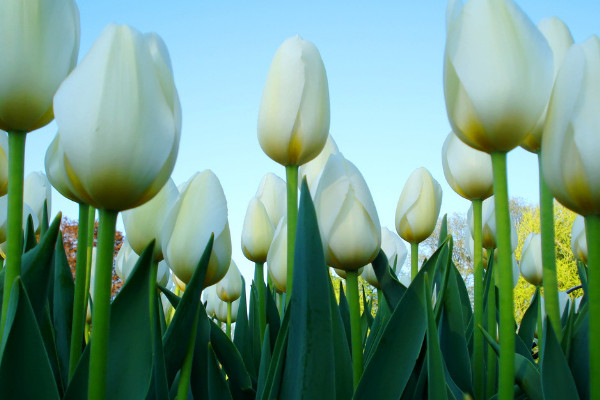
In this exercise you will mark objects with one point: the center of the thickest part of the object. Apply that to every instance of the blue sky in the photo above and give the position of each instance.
(384, 66)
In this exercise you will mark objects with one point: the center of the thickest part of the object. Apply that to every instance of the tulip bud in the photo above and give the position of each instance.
(209, 296)
(144, 223)
(277, 257)
(497, 74)
(560, 40)
(257, 232)
(395, 251)
(418, 207)
(36, 191)
(272, 193)
(342, 273)
(221, 310)
(163, 274)
(312, 170)
(531, 259)
(57, 173)
(488, 218)
(293, 120)
(39, 39)
(199, 211)
(229, 288)
(3, 163)
(468, 171)
(119, 119)
(27, 212)
(125, 261)
(348, 220)
(578, 240)
(571, 141)
(179, 284)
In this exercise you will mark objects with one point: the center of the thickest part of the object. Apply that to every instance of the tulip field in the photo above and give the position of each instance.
(187, 325)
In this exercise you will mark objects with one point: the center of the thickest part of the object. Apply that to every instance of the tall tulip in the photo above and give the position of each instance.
(293, 120)
(418, 210)
(312, 170)
(119, 120)
(531, 259)
(578, 240)
(350, 231)
(144, 223)
(229, 290)
(570, 164)
(39, 41)
(277, 257)
(199, 212)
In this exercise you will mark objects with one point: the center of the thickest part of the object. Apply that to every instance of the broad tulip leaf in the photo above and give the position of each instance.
(272, 384)
(172, 297)
(527, 376)
(44, 223)
(64, 289)
(25, 370)
(443, 230)
(78, 385)
(393, 360)
(230, 358)
(199, 375)
(341, 351)
(436, 379)
(568, 331)
(467, 311)
(529, 321)
(176, 338)
(579, 360)
(217, 386)
(273, 319)
(344, 310)
(254, 325)
(557, 380)
(159, 388)
(47, 331)
(241, 337)
(381, 318)
(265, 361)
(29, 240)
(309, 362)
(367, 308)
(392, 289)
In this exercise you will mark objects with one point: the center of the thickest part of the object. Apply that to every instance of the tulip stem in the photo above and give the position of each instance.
(540, 324)
(414, 260)
(186, 368)
(80, 300)
(506, 378)
(259, 280)
(14, 224)
(492, 330)
(592, 230)
(228, 327)
(478, 373)
(101, 313)
(292, 217)
(354, 306)
(548, 253)
(89, 250)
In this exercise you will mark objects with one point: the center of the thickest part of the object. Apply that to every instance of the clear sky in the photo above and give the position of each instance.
(384, 67)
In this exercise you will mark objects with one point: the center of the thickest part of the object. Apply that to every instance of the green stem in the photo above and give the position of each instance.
(186, 369)
(414, 260)
(101, 313)
(505, 277)
(259, 279)
(80, 300)
(281, 305)
(153, 291)
(478, 372)
(540, 324)
(228, 327)
(548, 254)
(14, 224)
(291, 172)
(89, 247)
(592, 229)
(353, 304)
(492, 330)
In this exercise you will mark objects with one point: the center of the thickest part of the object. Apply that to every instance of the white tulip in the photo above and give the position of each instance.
(395, 251)
(277, 257)
(293, 120)
(199, 212)
(229, 288)
(27, 212)
(347, 217)
(221, 310)
(257, 232)
(119, 119)
(56, 171)
(579, 240)
(531, 259)
(36, 190)
(488, 219)
(312, 170)
(125, 261)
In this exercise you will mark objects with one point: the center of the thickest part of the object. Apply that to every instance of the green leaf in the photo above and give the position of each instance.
(159, 388)
(217, 386)
(176, 339)
(25, 370)
(557, 380)
(172, 297)
(230, 358)
(199, 376)
(241, 337)
(436, 388)
(309, 365)
(392, 289)
(579, 359)
(30, 241)
(381, 318)
(255, 342)
(273, 319)
(265, 361)
(529, 321)
(344, 310)
(272, 383)
(393, 360)
(341, 351)
(44, 223)
(465, 300)
(443, 230)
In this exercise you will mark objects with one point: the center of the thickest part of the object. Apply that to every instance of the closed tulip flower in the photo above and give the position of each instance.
(27, 212)
(3, 163)
(209, 296)
(468, 171)
(229, 288)
(221, 310)
(531, 259)
(199, 211)
(418, 207)
(36, 191)
(312, 170)
(56, 171)
(497, 74)
(342, 273)
(293, 120)
(347, 216)
(119, 119)
(163, 274)
(395, 251)
(144, 223)
(560, 40)
(578, 240)
(277, 257)
(571, 141)
(257, 232)
(489, 225)
(271, 192)
(125, 261)
(41, 40)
